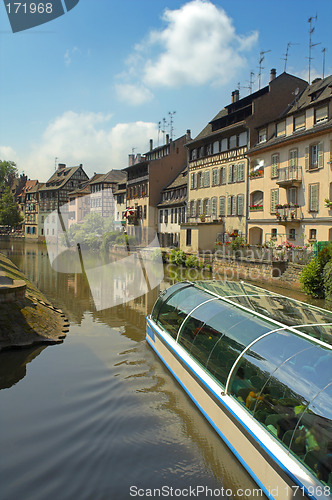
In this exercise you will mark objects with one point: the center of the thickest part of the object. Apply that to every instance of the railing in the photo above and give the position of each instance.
(288, 252)
(289, 175)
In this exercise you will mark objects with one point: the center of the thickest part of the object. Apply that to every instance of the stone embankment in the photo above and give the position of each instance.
(26, 316)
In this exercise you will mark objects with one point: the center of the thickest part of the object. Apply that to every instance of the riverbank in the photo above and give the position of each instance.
(29, 319)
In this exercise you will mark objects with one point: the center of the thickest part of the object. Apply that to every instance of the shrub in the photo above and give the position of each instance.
(180, 258)
(172, 257)
(109, 240)
(311, 279)
(192, 261)
(238, 242)
(327, 277)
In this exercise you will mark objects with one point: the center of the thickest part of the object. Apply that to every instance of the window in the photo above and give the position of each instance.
(262, 135)
(215, 177)
(312, 234)
(274, 234)
(207, 178)
(166, 216)
(214, 207)
(233, 173)
(223, 175)
(193, 208)
(231, 205)
(274, 200)
(313, 197)
(291, 235)
(199, 207)
(292, 196)
(215, 147)
(232, 142)
(188, 237)
(175, 215)
(224, 145)
(299, 122)
(292, 159)
(206, 206)
(281, 128)
(256, 199)
(208, 149)
(240, 172)
(222, 205)
(274, 166)
(193, 154)
(321, 114)
(200, 179)
(172, 215)
(314, 156)
(243, 139)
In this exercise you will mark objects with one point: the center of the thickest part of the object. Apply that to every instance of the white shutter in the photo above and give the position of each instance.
(230, 174)
(234, 205)
(274, 200)
(306, 158)
(292, 162)
(214, 206)
(235, 179)
(275, 166)
(240, 172)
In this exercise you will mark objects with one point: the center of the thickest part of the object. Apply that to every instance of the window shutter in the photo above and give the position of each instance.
(313, 203)
(206, 179)
(222, 205)
(229, 205)
(240, 172)
(230, 174)
(275, 166)
(214, 206)
(240, 204)
(192, 181)
(321, 155)
(292, 162)
(274, 200)
(306, 157)
(235, 170)
(223, 175)
(234, 205)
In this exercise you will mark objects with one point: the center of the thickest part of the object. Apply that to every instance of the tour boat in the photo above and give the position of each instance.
(258, 365)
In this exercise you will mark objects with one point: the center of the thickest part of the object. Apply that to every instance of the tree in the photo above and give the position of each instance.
(9, 210)
(8, 172)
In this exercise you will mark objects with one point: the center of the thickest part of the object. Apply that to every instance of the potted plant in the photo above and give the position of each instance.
(202, 217)
(328, 203)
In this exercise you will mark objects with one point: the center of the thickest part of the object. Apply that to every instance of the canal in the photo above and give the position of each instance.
(98, 417)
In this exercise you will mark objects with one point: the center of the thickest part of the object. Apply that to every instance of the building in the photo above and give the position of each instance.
(31, 211)
(102, 199)
(290, 187)
(218, 163)
(121, 204)
(54, 196)
(146, 177)
(172, 210)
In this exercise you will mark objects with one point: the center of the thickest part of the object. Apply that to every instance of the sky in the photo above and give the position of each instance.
(99, 82)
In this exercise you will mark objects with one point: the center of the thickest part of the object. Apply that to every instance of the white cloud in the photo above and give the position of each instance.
(69, 54)
(87, 138)
(198, 46)
(132, 94)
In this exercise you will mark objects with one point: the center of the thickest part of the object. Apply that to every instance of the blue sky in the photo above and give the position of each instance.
(93, 84)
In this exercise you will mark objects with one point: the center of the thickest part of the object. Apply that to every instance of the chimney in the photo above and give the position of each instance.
(131, 159)
(151, 144)
(167, 138)
(61, 166)
(138, 158)
(188, 135)
(273, 74)
(235, 96)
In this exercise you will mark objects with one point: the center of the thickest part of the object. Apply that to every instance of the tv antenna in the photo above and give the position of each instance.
(171, 121)
(311, 30)
(239, 86)
(55, 162)
(261, 59)
(286, 55)
(324, 50)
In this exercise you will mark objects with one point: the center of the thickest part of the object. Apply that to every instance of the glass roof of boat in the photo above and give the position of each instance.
(307, 319)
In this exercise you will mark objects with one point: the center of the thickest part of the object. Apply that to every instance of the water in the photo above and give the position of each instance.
(99, 414)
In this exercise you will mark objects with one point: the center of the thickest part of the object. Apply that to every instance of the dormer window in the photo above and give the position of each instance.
(299, 122)
(321, 114)
(281, 129)
(262, 135)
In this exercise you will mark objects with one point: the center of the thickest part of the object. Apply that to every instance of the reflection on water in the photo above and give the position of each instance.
(99, 413)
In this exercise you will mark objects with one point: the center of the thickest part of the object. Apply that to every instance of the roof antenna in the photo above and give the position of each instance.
(286, 55)
(261, 59)
(171, 121)
(311, 30)
(55, 162)
(324, 50)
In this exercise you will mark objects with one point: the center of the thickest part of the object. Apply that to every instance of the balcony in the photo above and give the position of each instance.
(256, 174)
(288, 215)
(289, 177)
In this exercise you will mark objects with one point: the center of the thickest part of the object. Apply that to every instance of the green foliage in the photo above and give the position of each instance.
(90, 233)
(156, 255)
(9, 210)
(180, 258)
(192, 261)
(238, 242)
(316, 276)
(172, 257)
(311, 279)
(327, 277)
(8, 172)
(109, 240)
